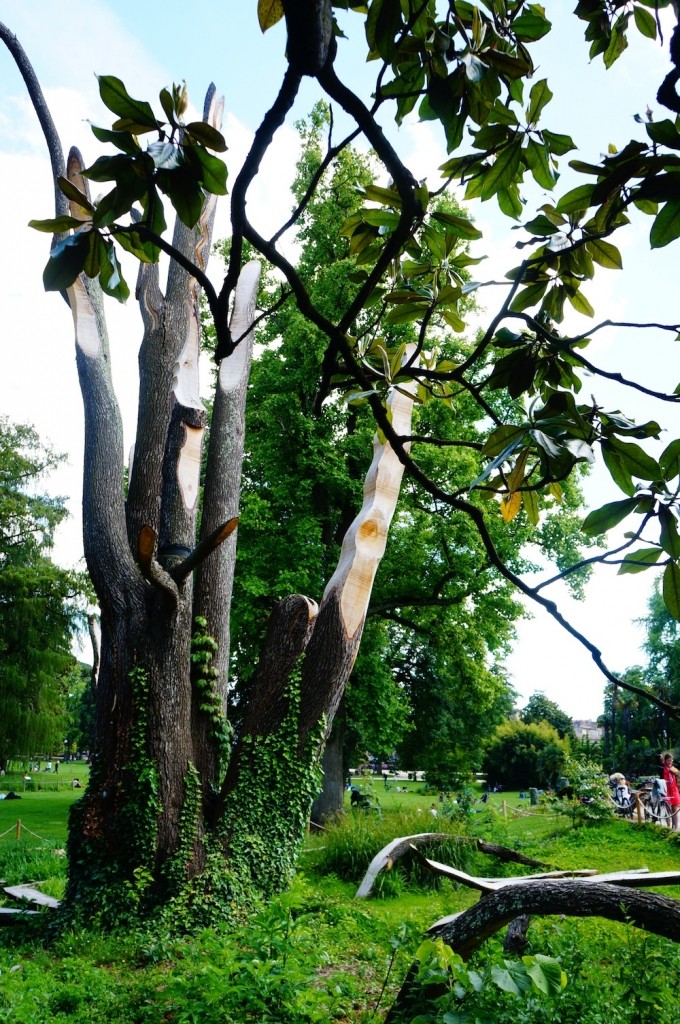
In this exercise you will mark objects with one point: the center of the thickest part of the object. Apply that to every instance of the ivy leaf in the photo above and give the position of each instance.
(602, 519)
(269, 12)
(671, 589)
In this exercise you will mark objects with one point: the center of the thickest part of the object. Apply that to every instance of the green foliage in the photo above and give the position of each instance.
(262, 828)
(126, 884)
(204, 678)
(447, 991)
(177, 163)
(540, 709)
(520, 755)
(352, 840)
(38, 600)
(589, 799)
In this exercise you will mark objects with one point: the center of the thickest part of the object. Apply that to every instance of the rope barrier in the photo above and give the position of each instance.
(19, 828)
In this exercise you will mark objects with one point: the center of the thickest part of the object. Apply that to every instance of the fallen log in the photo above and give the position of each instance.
(29, 894)
(575, 897)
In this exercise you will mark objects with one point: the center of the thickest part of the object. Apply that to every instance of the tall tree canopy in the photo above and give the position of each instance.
(180, 812)
(38, 612)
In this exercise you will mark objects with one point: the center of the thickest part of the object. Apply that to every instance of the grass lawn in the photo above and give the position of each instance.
(319, 954)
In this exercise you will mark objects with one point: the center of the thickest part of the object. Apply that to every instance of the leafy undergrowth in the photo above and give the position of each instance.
(317, 954)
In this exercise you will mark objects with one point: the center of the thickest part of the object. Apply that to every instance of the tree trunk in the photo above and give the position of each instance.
(330, 800)
(173, 816)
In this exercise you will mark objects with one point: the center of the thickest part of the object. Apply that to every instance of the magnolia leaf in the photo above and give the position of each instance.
(269, 12)
(580, 303)
(66, 261)
(644, 22)
(539, 96)
(461, 226)
(117, 99)
(638, 561)
(602, 519)
(671, 589)
(510, 506)
(604, 253)
(666, 226)
(56, 224)
(669, 537)
(530, 502)
(670, 460)
(206, 135)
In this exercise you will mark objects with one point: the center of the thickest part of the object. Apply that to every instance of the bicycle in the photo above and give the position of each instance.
(655, 805)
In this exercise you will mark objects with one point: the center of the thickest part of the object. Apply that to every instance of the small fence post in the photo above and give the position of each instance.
(505, 811)
(18, 830)
(638, 808)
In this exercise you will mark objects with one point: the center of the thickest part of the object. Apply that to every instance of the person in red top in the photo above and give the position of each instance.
(670, 775)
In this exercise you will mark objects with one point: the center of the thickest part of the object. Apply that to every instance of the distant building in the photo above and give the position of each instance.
(585, 729)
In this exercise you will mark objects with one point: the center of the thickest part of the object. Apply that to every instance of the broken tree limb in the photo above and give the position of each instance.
(393, 851)
(202, 550)
(398, 847)
(151, 570)
(467, 931)
(581, 897)
(29, 894)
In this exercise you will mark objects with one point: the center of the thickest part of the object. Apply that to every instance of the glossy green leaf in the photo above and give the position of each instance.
(530, 503)
(664, 132)
(666, 227)
(645, 22)
(56, 224)
(503, 171)
(604, 253)
(116, 97)
(602, 519)
(577, 199)
(529, 296)
(461, 226)
(110, 275)
(125, 141)
(670, 460)
(213, 173)
(539, 96)
(556, 143)
(538, 159)
(636, 459)
(671, 589)
(638, 561)
(669, 537)
(66, 261)
(73, 193)
(580, 303)
(208, 136)
(532, 25)
(503, 439)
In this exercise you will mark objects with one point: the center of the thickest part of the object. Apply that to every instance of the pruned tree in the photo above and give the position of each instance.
(179, 812)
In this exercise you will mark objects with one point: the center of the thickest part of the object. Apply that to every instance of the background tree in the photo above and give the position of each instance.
(38, 608)
(162, 821)
(540, 708)
(521, 754)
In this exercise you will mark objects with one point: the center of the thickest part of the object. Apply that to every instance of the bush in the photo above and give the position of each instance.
(352, 841)
(524, 754)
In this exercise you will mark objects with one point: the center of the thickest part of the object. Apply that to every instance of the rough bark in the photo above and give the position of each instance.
(467, 931)
(330, 800)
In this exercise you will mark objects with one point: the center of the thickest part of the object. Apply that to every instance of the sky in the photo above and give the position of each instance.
(221, 42)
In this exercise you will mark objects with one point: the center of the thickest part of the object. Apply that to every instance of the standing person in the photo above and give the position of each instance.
(670, 775)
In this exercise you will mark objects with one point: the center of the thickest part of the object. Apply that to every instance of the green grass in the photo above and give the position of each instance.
(318, 954)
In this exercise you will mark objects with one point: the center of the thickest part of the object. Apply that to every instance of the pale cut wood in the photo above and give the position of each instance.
(189, 465)
(31, 895)
(390, 853)
(364, 543)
